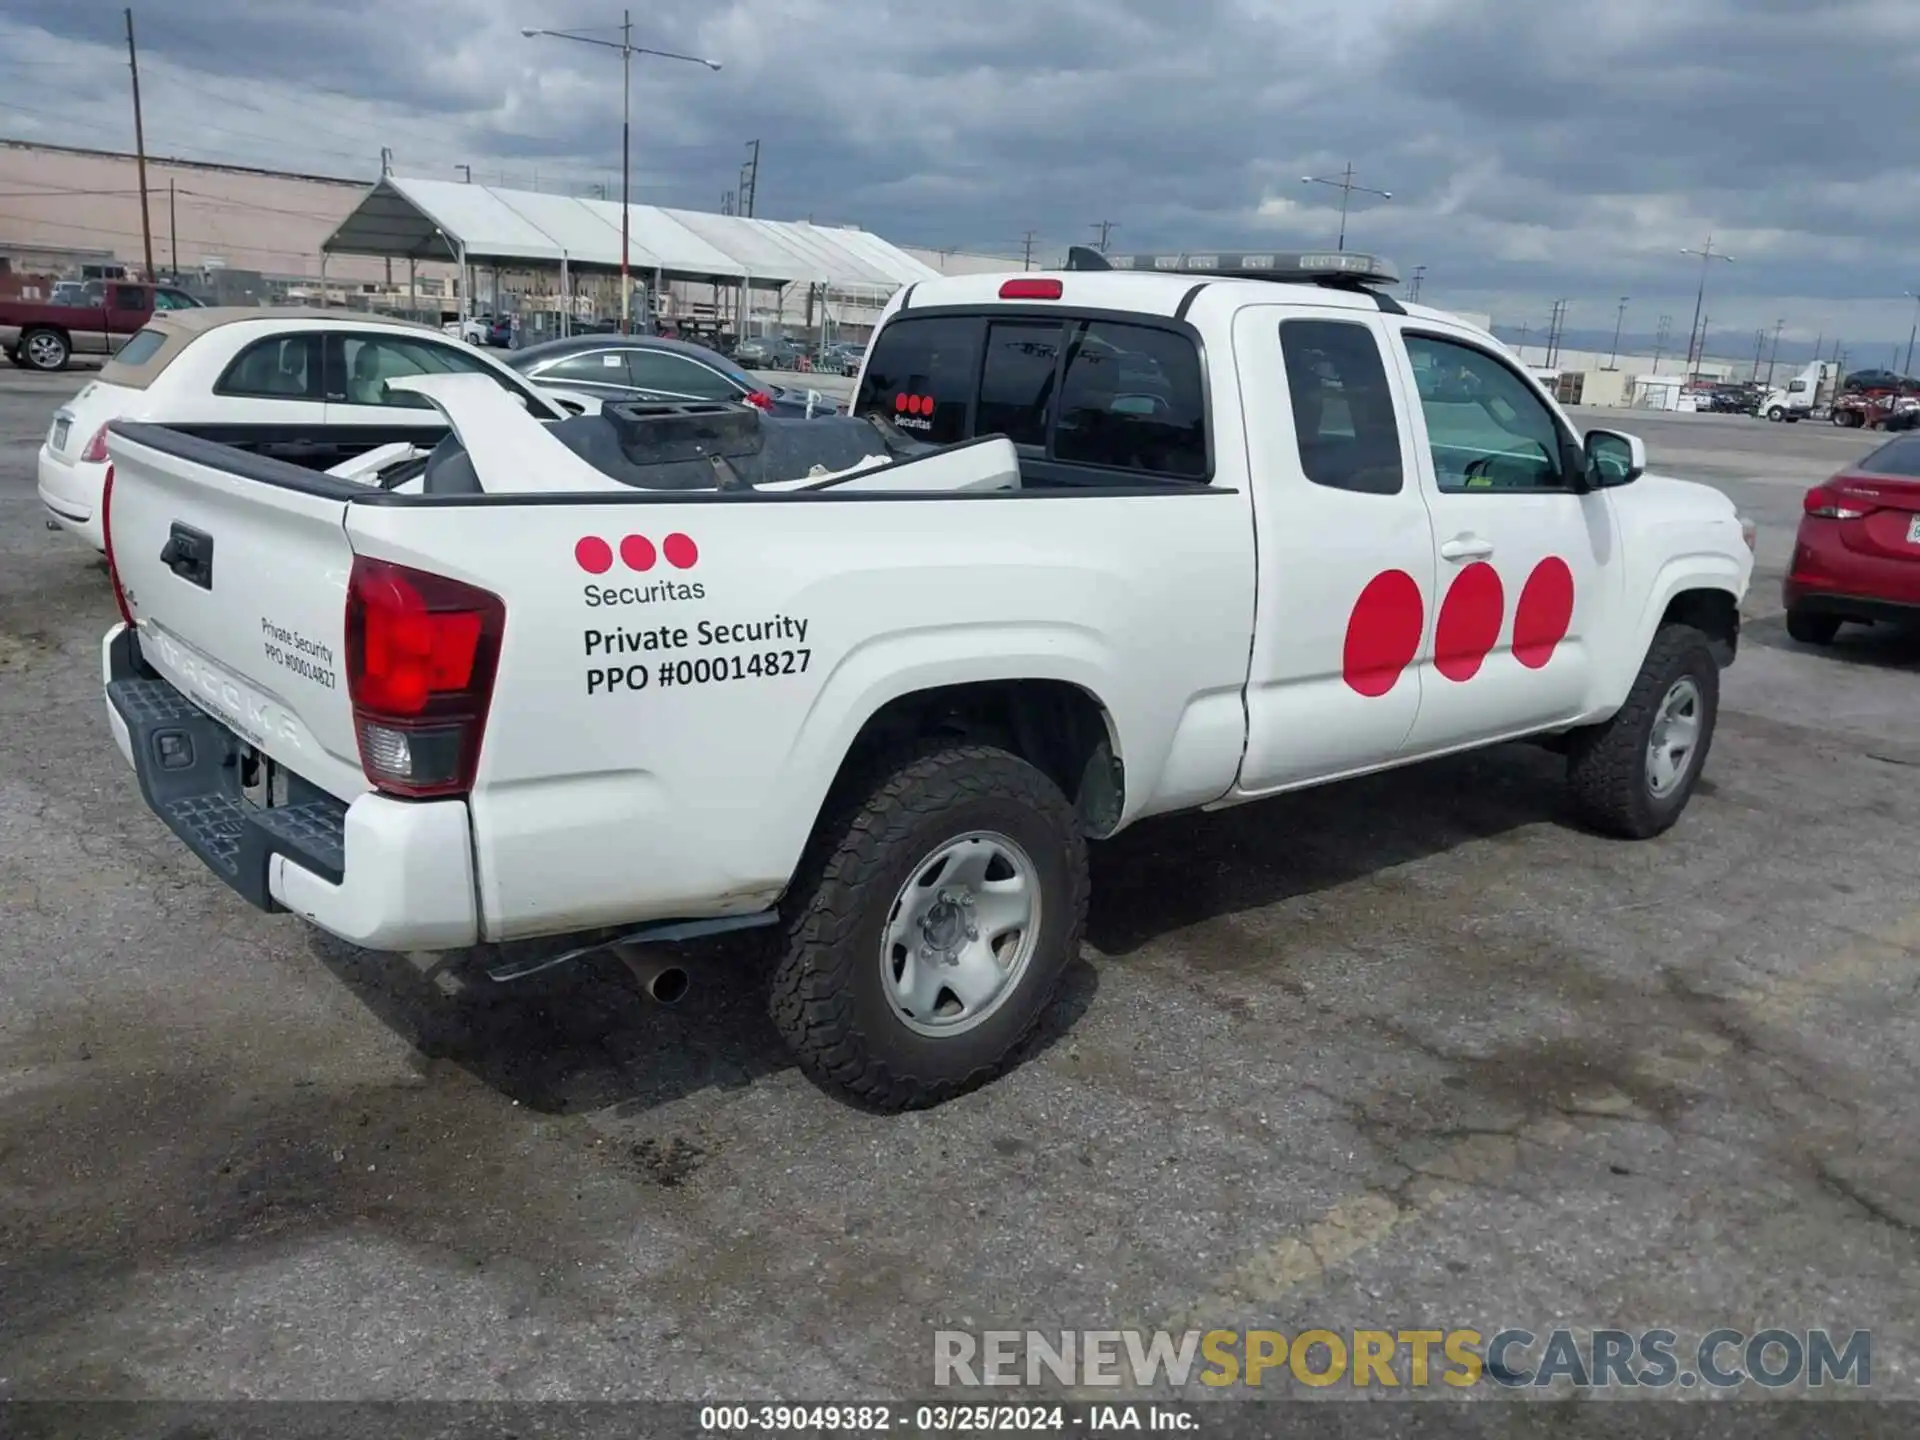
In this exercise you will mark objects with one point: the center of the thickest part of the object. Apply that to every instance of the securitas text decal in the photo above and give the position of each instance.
(641, 556)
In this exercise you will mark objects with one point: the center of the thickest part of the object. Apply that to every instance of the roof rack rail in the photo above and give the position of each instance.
(1342, 269)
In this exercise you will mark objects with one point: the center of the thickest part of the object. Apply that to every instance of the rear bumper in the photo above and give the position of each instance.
(71, 492)
(1827, 577)
(386, 874)
(1863, 608)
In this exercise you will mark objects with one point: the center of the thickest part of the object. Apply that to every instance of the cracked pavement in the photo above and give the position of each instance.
(1408, 1052)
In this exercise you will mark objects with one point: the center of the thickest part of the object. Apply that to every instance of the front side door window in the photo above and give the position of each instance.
(1525, 553)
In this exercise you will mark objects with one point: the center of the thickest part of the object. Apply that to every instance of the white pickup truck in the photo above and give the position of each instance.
(1179, 540)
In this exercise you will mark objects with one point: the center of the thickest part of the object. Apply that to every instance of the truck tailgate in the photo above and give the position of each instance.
(235, 568)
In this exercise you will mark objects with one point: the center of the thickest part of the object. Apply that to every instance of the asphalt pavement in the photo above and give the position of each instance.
(1414, 1051)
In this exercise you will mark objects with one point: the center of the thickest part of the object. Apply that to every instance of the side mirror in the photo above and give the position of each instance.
(1614, 458)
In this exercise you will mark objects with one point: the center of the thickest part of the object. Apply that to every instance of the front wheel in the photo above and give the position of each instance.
(1776, 414)
(938, 905)
(1632, 775)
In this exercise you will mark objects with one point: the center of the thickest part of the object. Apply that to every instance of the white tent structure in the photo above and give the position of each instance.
(448, 221)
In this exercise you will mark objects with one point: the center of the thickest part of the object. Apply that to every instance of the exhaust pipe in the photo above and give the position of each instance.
(662, 981)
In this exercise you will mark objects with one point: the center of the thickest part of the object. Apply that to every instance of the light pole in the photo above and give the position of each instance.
(1346, 187)
(1619, 319)
(1907, 369)
(1707, 256)
(627, 50)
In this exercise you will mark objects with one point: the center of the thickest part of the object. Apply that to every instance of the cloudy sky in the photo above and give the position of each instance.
(1535, 149)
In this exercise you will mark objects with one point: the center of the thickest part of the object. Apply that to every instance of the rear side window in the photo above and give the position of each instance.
(1342, 409)
(1131, 398)
(923, 374)
(141, 347)
(280, 368)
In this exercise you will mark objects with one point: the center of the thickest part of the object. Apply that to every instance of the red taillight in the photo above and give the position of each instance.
(421, 655)
(106, 539)
(1834, 505)
(96, 450)
(1031, 289)
(760, 398)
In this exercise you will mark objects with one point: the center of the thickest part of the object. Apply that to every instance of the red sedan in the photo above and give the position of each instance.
(1857, 556)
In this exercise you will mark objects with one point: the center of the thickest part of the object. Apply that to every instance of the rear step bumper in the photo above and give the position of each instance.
(386, 874)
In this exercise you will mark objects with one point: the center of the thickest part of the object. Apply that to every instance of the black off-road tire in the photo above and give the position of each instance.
(1607, 763)
(828, 1002)
(1811, 629)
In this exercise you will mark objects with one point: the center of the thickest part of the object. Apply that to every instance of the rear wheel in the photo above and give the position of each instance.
(1632, 775)
(1810, 629)
(45, 349)
(939, 903)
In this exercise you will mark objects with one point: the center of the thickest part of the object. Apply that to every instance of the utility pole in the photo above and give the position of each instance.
(1759, 346)
(1707, 256)
(1619, 319)
(466, 174)
(726, 202)
(1774, 354)
(1521, 348)
(173, 232)
(627, 50)
(1106, 228)
(1660, 338)
(1555, 327)
(140, 145)
(1413, 290)
(1907, 369)
(386, 162)
(1026, 258)
(1346, 186)
(750, 186)
(1701, 359)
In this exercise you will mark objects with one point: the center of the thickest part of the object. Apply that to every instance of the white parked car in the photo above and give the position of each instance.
(306, 386)
(1181, 540)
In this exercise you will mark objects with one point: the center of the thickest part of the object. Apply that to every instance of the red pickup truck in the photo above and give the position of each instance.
(44, 337)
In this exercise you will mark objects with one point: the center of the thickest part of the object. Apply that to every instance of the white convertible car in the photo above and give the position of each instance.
(307, 386)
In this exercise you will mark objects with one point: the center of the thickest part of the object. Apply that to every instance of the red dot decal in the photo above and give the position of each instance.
(1544, 614)
(1383, 633)
(637, 552)
(926, 404)
(900, 401)
(680, 551)
(1469, 623)
(594, 554)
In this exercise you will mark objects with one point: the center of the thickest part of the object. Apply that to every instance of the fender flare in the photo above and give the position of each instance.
(889, 667)
(1702, 570)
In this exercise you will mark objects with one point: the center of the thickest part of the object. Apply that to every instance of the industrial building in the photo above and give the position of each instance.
(402, 244)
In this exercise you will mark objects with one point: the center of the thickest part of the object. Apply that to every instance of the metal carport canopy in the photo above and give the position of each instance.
(448, 220)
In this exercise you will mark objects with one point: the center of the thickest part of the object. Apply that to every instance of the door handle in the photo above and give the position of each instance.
(1466, 547)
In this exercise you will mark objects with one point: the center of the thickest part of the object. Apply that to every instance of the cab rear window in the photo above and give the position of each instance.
(924, 374)
(1075, 392)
